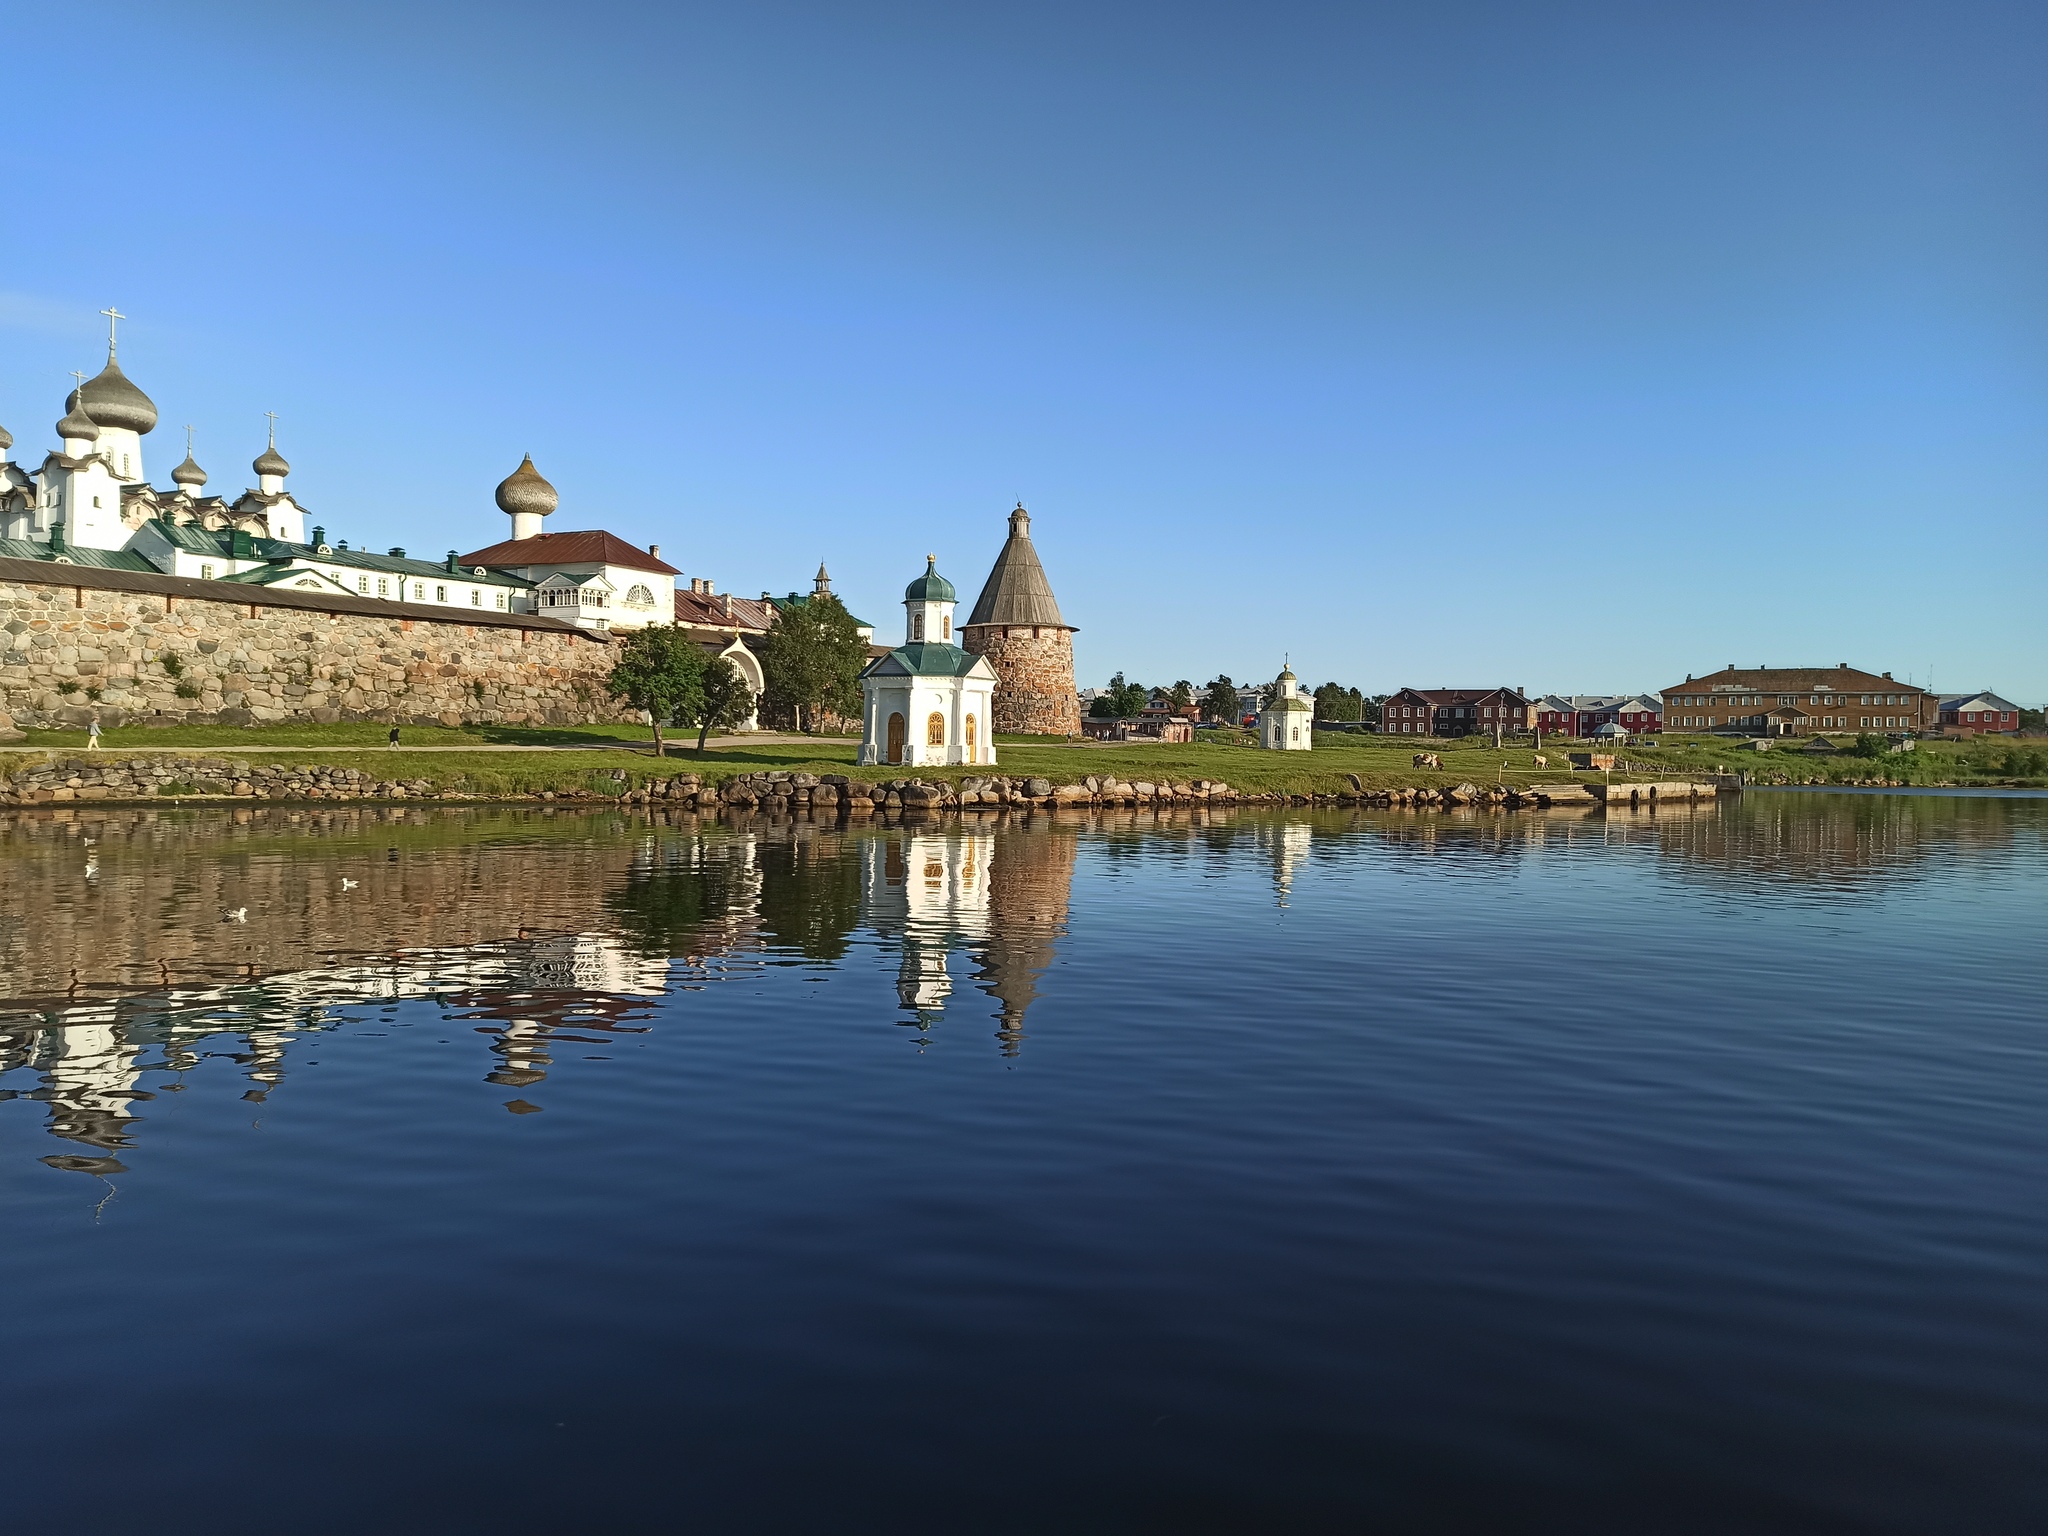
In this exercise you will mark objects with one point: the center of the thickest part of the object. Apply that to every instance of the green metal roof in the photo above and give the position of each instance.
(266, 575)
(931, 587)
(97, 559)
(218, 543)
(924, 658)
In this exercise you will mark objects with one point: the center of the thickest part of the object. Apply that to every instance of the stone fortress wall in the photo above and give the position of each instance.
(77, 642)
(1034, 678)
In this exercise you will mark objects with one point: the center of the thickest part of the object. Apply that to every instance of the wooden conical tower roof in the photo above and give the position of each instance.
(1017, 592)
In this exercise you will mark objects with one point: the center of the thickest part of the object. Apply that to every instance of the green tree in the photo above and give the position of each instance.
(1102, 707)
(1125, 700)
(722, 701)
(1220, 702)
(660, 669)
(1334, 702)
(1182, 697)
(812, 659)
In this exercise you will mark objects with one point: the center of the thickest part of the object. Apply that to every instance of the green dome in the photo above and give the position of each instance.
(931, 587)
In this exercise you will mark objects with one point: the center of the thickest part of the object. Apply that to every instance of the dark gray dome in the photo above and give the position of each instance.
(270, 462)
(189, 473)
(527, 490)
(115, 401)
(78, 422)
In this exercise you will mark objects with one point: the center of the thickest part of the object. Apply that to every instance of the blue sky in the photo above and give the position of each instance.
(1576, 347)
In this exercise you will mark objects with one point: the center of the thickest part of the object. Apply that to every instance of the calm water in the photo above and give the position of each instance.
(511, 1170)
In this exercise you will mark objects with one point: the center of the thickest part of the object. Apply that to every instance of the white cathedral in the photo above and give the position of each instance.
(90, 503)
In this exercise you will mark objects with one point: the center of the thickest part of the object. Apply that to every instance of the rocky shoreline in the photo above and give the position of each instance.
(136, 780)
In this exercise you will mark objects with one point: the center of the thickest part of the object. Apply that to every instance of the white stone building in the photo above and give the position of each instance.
(928, 701)
(1287, 721)
(590, 578)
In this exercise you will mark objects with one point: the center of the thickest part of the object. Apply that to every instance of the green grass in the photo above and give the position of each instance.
(1379, 762)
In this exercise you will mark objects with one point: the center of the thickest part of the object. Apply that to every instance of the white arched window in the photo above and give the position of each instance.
(640, 597)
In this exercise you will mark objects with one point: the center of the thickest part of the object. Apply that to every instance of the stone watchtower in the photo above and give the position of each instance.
(1016, 624)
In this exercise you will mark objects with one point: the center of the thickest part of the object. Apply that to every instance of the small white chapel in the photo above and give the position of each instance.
(928, 701)
(1287, 723)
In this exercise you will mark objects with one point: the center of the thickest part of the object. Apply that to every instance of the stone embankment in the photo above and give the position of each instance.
(135, 778)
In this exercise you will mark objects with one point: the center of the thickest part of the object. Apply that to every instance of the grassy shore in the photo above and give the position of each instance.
(1378, 762)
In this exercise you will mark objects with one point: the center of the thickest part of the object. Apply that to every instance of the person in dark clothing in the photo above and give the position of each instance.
(394, 737)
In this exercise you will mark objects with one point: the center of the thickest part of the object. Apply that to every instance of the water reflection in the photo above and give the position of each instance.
(125, 970)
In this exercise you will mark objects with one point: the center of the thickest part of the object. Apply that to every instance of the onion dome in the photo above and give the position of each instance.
(526, 491)
(77, 423)
(269, 462)
(931, 587)
(115, 401)
(189, 474)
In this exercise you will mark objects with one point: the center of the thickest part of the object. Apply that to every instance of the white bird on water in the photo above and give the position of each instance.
(238, 915)
(348, 885)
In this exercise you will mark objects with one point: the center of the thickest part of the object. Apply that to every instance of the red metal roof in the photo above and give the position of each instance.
(712, 613)
(594, 547)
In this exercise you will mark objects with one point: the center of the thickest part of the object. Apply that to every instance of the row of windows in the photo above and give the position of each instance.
(1823, 722)
(419, 589)
(1791, 698)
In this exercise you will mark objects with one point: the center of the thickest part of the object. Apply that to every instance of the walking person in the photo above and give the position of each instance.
(394, 737)
(92, 735)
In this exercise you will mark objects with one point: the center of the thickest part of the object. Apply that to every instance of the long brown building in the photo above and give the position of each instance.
(1797, 701)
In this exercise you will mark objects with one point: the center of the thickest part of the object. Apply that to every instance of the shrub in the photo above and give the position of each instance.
(172, 663)
(188, 690)
(67, 687)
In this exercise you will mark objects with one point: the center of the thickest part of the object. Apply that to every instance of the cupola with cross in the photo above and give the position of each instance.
(928, 604)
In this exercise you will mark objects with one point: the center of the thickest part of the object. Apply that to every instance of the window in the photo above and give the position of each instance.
(970, 738)
(440, 594)
(476, 597)
(419, 592)
(935, 730)
(206, 573)
(501, 602)
(640, 597)
(383, 587)
(916, 627)
(946, 626)
(363, 584)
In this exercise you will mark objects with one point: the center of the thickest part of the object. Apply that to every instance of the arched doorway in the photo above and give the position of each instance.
(970, 741)
(895, 738)
(935, 729)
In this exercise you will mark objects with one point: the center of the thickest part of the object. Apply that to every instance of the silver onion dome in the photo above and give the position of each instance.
(114, 400)
(189, 473)
(526, 490)
(77, 422)
(269, 462)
